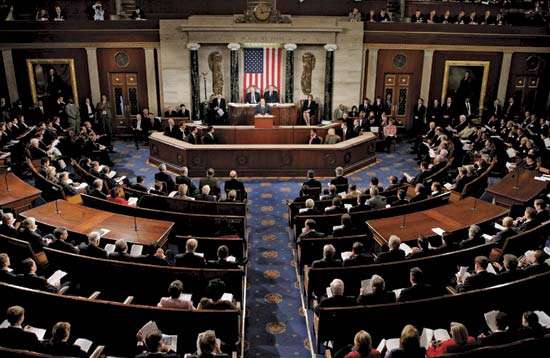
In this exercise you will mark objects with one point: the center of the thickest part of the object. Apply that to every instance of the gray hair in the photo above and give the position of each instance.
(337, 287)
(93, 238)
(394, 242)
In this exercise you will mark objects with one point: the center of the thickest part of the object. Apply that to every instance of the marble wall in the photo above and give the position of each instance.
(174, 65)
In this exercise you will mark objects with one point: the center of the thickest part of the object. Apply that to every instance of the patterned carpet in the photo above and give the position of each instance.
(276, 325)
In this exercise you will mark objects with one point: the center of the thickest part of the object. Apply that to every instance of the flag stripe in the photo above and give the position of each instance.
(262, 68)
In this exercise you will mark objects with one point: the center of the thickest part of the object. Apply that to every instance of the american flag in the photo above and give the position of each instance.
(262, 68)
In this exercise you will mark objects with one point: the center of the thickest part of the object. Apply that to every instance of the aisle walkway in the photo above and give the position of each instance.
(276, 326)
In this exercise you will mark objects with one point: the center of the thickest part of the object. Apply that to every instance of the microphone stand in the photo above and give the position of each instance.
(135, 224)
(516, 182)
(403, 225)
(57, 208)
(474, 208)
(6, 180)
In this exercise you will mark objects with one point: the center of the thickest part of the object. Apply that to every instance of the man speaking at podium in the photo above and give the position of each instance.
(262, 108)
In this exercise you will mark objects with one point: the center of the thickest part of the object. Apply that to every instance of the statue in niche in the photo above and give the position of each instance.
(308, 60)
(215, 65)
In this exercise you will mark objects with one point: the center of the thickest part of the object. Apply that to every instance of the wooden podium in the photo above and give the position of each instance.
(263, 121)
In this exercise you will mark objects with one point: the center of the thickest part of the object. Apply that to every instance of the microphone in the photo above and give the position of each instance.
(135, 224)
(7, 170)
(474, 208)
(57, 208)
(404, 222)
(516, 177)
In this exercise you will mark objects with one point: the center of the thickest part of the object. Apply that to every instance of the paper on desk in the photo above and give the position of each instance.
(231, 259)
(84, 344)
(103, 231)
(227, 297)
(136, 250)
(110, 248)
(39, 332)
(345, 255)
(171, 341)
(337, 227)
(449, 186)
(302, 210)
(439, 231)
(542, 178)
(491, 320)
(55, 279)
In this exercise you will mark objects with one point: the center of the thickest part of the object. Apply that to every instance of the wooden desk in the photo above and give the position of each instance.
(450, 217)
(82, 220)
(263, 121)
(20, 194)
(243, 114)
(505, 194)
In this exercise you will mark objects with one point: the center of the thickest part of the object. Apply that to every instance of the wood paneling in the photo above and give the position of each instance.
(81, 68)
(106, 63)
(519, 68)
(438, 69)
(413, 66)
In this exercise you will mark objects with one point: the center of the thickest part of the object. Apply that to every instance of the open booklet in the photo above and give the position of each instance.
(544, 319)
(366, 286)
(151, 327)
(491, 320)
(405, 248)
(55, 278)
(429, 335)
(109, 248)
(345, 255)
(84, 344)
(136, 250)
(389, 344)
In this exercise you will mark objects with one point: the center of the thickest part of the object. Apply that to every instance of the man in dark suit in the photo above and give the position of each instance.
(184, 112)
(401, 198)
(154, 347)
(262, 108)
(252, 96)
(346, 228)
(205, 194)
(310, 208)
(474, 237)
(314, 138)
(309, 109)
(418, 288)
(358, 256)
(394, 183)
(271, 95)
(121, 251)
(60, 241)
(509, 231)
(208, 137)
(340, 181)
(235, 184)
(96, 190)
(536, 263)
(503, 333)
(184, 179)
(361, 204)
(424, 173)
(378, 296)
(511, 109)
(28, 231)
(310, 231)
(30, 279)
(419, 117)
(163, 176)
(6, 273)
(480, 279)
(190, 258)
(92, 247)
(527, 222)
(193, 136)
(218, 110)
(139, 184)
(394, 253)
(59, 344)
(170, 129)
(14, 336)
(210, 181)
(420, 193)
(542, 213)
(338, 299)
(222, 261)
(510, 271)
(9, 226)
(311, 182)
(329, 259)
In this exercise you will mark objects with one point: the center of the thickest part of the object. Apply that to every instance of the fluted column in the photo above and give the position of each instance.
(151, 76)
(426, 74)
(329, 80)
(289, 73)
(504, 75)
(9, 70)
(234, 70)
(195, 80)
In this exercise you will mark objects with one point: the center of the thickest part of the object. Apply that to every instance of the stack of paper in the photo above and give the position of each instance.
(136, 250)
(449, 186)
(227, 297)
(491, 320)
(544, 319)
(405, 248)
(55, 279)
(84, 344)
(110, 248)
(346, 255)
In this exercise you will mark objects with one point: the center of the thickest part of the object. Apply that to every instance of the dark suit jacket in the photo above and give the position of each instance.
(418, 197)
(271, 98)
(416, 292)
(64, 246)
(206, 197)
(358, 208)
(510, 275)
(359, 260)
(312, 106)
(170, 185)
(98, 194)
(376, 298)
(501, 236)
(35, 282)
(390, 256)
(191, 139)
(212, 183)
(93, 251)
(249, 96)
(8, 277)
(234, 184)
(346, 231)
(310, 235)
(138, 187)
(8, 230)
(63, 349)
(498, 338)
(191, 188)
(313, 183)
(189, 259)
(323, 263)
(337, 301)
(340, 182)
(209, 139)
(17, 338)
(32, 238)
(479, 280)
(222, 264)
(263, 110)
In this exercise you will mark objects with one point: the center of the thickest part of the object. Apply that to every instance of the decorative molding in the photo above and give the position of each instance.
(233, 46)
(290, 47)
(330, 47)
(193, 46)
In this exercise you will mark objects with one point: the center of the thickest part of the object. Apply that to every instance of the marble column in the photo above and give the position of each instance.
(195, 80)
(289, 72)
(426, 75)
(329, 80)
(93, 74)
(151, 76)
(9, 70)
(371, 73)
(504, 75)
(234, 71)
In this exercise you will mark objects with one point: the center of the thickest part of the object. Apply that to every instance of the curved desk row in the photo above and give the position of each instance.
(263, 160)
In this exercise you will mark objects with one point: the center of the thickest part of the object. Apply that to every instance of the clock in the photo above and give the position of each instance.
(262, 11)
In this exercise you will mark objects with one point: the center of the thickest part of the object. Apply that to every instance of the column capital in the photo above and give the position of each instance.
(330, 47)
(193, 46)
(234, 46)
(290, 47)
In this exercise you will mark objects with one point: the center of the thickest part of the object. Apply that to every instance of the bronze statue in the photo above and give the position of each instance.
(308, 60)
(215, 65)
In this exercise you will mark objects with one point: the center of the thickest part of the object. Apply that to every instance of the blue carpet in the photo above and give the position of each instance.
(276, 325)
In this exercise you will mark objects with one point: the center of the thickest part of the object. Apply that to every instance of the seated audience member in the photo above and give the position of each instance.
(481, 278)
(176, 298)
(376, 200)
(28, 231)
(153, 346)
(527, 221)
(6, 273)
(118, 195)
(310, 208)
(353, 192)
(170, 128)
(409, 345)
(542, 213)
(190, 258)
(509, 231)
(223, 261)
(184, 179)
(310, 231)
(211, 181)
(154, 256)
(361, 204)
(314, 138)
(330, 194)
(97, 190)
(346, 228)
(208, 346)
(332, 137)
(535, 263)
(182, 192)
(362, 347)
(401, 198)
(163, 176)
(30, 279)
(459, 342)
(503, 333)
(390, 134)
(60, 241)
(193, 136)
(59, 342)
(311, 182)
(474, 238)
(420, 193)
(355, 15)
(121, 251)
(510, 271)
(375, 183)
(530, 326)
(139, 185)
(461, 179)
(9, 226)
(424, 173)
(358, 256)
(92, 247)
(418, 17)
(329, 258)
(205, 194)
(418, 289)
(394, 183)
(379, 294)
(213, 299)
(14, 335)
(230, 197)
(436, 189)
(337, 207)
(340, 181)
(209, 137)
(338, 299)
(394, 253)
(234, 184)
(422, 250)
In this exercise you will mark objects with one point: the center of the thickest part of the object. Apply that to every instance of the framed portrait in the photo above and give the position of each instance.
(466, 79)
(50, 78)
